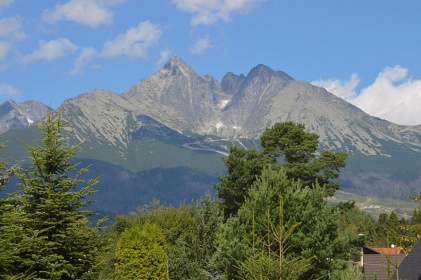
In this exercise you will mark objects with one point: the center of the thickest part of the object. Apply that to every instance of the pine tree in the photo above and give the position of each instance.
(299, 151)
(244, 165)
(285, 145)
(51, 211)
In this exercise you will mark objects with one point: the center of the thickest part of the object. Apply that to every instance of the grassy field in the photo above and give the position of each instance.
(374, 206)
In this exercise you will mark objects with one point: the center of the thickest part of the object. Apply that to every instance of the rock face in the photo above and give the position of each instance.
(242, 106)
(238, 108)
(178, 118)
(19, 115)
(178, 97)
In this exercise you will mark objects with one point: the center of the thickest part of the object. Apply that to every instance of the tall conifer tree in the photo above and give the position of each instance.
(53, 202)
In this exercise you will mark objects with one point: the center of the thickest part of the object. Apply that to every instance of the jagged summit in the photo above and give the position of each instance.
(177, 117)
(18, 115)
(176, 65)
(232, 83)
(263, 71)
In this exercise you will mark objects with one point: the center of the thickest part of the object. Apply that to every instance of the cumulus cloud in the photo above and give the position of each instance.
(12, 28)
(5, 48)
(201, 46)
(5, 3)
(83, 60)
(9, 90)
(208, 12)
(51, 50)
(164, 55)
(344, 89)
(92, 13)
(135, 43)
(393, 96)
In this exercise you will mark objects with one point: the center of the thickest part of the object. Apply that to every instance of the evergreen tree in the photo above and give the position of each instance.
(244, 165)
(299, 151)
(10, 232)
(296, 151)
(355, 229)
(311, 224)
(57, 240)
(389, 229)
(416, 215)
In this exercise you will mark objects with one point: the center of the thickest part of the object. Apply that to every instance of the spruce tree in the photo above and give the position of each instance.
(9, 233)
(52, 196)
(295, 239)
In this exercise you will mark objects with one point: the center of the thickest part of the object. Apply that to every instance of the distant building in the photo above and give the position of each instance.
(380, 263)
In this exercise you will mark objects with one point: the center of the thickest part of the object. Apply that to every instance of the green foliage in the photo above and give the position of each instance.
(291, 141)
(243, 167)
(299, 150)
(297, 147)
(189, 230)
(389, 229)
(7, 255)
(350, 272)
(269, 255)
(355, 229)
(311, 224)
(416, 216)
(5, 171)
(141, 254)
(53, 238)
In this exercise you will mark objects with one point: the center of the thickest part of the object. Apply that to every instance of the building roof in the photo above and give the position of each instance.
(410, 267)
(380, 262)
(394, 250)
(389, 250)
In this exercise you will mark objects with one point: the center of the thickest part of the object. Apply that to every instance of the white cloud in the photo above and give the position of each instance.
(83, 60)
(344, 89)
(208, 12)
(8, 90)
(135, 42)
(393, 96)
(201, 46)
(92, 13)
(12, 28)
(5, 48)
(5, 3)
(51, 50)
(164, 55)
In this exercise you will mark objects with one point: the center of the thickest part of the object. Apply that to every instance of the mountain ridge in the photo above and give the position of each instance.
(20, 114)
(178, 118)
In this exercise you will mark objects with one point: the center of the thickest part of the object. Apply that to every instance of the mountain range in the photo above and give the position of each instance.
(166, 136)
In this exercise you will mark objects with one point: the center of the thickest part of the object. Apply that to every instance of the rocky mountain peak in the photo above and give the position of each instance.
(264, 72)
(177, 117)
(176, 65)
(18, 115)
(232, 83)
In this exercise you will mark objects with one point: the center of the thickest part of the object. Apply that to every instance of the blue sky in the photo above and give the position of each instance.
(367, 52)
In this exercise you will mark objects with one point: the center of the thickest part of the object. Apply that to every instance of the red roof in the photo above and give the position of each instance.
(389, 250)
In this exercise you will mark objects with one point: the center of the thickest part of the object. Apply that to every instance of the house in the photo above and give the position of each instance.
(380, 263)
(410, 267)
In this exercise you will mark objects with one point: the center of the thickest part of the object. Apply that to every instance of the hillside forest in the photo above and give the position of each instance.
(270, 220)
